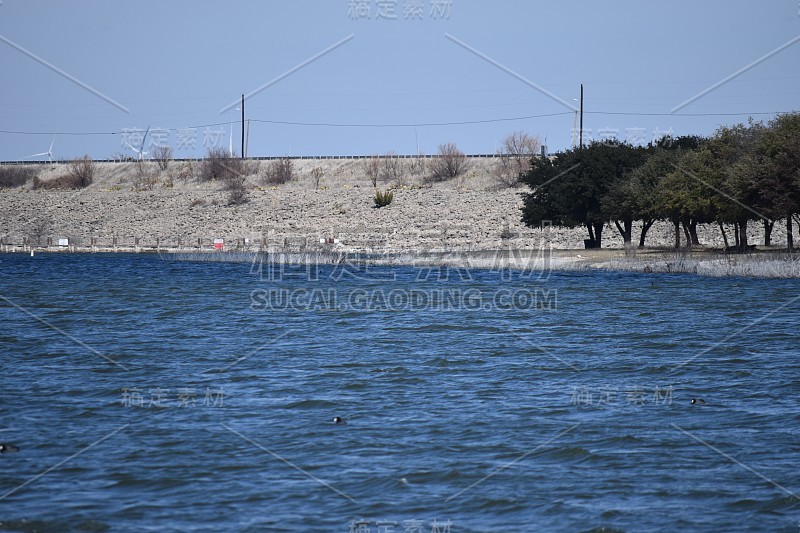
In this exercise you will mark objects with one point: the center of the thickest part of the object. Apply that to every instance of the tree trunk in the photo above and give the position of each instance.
(693, 233)
(677, 226)
(789, 236)
(768, 225)
(724, 235)
(686, 233)
(625, 231)
(743, 235)
(646, 225)
(598, 235)
(591, 236)
(736, 235)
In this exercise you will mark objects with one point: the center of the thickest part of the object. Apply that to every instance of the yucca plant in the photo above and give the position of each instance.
(383, 198)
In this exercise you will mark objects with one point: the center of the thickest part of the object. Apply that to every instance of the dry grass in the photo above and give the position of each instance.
(762, 265)
(80, 174)
(16, 175)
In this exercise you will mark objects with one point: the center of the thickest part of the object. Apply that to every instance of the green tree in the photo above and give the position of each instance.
(637, 196)
(730, 160)
(570, 190)
(682, 199)
(639, 192)
(776, 172)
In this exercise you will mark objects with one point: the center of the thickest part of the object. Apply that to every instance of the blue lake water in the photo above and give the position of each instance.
(156, 395)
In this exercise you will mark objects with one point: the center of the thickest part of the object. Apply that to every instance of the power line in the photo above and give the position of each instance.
(403, 125)
(79, 133)
(410, 125)
(60, 132)
(683, 114)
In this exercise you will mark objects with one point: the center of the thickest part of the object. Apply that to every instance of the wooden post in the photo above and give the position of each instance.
(242, 126)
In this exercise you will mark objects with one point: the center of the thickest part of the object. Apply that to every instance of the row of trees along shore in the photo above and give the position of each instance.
(741, 174)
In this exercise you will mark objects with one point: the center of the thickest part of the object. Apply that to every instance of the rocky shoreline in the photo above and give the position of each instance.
(467, 217)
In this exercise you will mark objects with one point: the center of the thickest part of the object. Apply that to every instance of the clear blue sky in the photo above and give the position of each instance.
(173, 65)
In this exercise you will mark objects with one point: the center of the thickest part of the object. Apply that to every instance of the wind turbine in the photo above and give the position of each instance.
(230, 137)
(140, 151)
(48, 153)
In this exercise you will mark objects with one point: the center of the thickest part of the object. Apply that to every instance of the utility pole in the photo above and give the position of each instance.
(243, 156)
(581, 130)
(575, 130)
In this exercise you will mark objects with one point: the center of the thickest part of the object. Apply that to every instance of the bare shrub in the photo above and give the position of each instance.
(219, 165)
(316, 175)
(514, 158)
(16, 176)
(393, 168)
(145, 181)
(372, 169)
(186, 172)
(450, 163)
(80, 174)
(163, 156)
(418, 166)
(279, 172)
(237, 192)
(81, 171)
